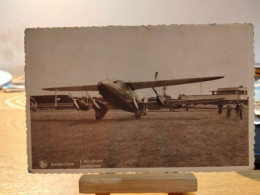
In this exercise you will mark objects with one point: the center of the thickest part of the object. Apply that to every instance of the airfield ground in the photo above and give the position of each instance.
(72, 139)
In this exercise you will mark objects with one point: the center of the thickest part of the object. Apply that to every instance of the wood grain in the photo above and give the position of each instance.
(138, 183)
(15, 179)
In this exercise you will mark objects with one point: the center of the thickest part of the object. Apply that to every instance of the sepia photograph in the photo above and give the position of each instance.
(117, 98)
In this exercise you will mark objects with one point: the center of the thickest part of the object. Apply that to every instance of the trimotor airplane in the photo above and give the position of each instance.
(121, 94)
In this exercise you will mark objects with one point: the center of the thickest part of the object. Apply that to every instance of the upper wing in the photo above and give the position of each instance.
(75, 88)
(138, 85)
(160, 83)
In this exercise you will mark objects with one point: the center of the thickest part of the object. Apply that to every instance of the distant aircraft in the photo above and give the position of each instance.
(121, 94)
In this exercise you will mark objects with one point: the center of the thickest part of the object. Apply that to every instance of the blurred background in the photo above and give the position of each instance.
(16, 16)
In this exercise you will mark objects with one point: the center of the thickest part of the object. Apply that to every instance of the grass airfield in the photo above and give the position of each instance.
(194, 138)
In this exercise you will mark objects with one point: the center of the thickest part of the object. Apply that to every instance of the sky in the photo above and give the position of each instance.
(84, 56)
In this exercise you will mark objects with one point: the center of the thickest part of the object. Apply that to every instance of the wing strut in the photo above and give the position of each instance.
(55, 103)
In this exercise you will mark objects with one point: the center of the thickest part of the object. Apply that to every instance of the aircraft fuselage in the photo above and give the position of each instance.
(119, 95)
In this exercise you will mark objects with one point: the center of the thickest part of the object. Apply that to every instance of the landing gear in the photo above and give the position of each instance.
(144, 111)
(99, 116)
(138, 114)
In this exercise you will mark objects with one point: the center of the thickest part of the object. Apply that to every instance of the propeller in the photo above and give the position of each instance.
(144, 99)
(93, 101)
(135, 103)
(82, 96)
(159, 98)
(74, 102)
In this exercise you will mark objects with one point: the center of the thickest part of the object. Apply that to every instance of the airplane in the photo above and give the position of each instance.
(121, 94)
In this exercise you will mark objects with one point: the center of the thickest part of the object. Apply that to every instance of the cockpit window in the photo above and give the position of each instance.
(118, 82)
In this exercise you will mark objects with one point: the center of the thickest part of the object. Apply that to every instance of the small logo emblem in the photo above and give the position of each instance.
(43, 164)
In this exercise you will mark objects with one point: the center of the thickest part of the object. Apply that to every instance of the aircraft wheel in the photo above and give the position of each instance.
(98, 118)
(144, 111)
(138, 114)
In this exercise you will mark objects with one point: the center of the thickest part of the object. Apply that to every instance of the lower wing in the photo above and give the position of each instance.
(178, 102)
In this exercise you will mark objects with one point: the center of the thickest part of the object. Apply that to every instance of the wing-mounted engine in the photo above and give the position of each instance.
(82, 105)
(141, 110)
(99, 107)
(74, 100)
(159, 99)
(135, 103)
(79, 104)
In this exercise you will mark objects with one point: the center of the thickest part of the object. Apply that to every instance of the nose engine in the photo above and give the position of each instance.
(103, 87)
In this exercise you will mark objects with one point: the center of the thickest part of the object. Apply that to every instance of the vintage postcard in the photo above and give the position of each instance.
(140, 98)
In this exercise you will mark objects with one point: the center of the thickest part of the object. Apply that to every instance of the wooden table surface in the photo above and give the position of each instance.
(14, 178)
